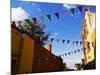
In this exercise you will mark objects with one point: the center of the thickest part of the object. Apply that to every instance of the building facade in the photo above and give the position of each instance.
(28, 56)
(89, 37)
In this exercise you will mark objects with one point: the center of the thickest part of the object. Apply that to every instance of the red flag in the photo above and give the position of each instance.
(57, 15)
(34, 20)
(45, 38)
(80, 8)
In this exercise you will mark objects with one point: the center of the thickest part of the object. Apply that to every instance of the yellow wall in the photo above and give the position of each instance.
(90, 36)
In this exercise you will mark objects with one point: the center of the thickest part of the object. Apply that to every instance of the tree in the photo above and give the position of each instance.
(36, 30)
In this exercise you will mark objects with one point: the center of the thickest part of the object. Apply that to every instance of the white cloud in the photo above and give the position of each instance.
(55, 33)
(19, 14)
(68, 6)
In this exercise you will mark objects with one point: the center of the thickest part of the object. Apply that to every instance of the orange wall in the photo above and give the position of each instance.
(33, 57)
(15, 41)
(26, 58)
(45, 61)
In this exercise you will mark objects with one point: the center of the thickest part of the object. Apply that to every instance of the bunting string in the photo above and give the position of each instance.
(71, 52)
(58, 15)
(66, 41)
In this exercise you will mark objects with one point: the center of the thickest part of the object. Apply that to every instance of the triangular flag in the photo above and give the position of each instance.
(75, 51)
(76, 42)
(78, 50)
(52, 39)
(68, 41)
(86, 9)
(80, 42)
(68, 53)
(73, 10)
(34, 20)
(63, 41)
(57, 15)
(49, 17)
(80, 8)
(72, 52)
(45, 38)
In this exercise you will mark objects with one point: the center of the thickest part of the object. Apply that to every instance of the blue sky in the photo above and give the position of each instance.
(67, 27)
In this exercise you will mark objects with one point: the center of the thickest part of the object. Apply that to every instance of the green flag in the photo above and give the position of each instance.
(73, 10)
(52, 39)
(49, 17)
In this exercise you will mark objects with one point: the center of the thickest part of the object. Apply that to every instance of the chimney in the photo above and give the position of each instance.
(49, 47)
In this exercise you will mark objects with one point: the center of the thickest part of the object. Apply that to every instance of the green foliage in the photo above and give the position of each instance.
(36, 30)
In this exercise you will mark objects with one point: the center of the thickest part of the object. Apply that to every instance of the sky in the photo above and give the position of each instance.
(67, 27)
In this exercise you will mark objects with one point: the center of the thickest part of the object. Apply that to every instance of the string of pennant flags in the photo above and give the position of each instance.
(71, 52)
(57, 14)
(66, 41)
